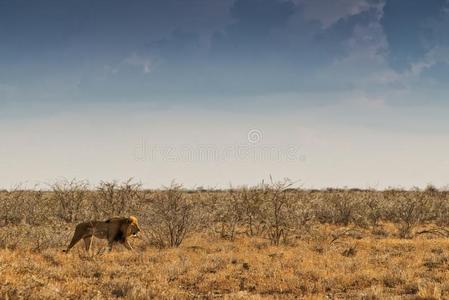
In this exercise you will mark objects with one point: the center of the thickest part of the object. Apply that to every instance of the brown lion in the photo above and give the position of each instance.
(114, 230)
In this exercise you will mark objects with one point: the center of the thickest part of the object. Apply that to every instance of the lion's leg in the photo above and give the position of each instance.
(81, 231)
(76, 238)
(110, 243)
(88, 242)
(127, 245)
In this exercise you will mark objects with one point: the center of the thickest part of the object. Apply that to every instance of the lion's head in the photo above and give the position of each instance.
(132, 226)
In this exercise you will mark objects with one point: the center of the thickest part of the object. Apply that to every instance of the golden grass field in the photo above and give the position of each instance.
(246, 268)
(265, 242)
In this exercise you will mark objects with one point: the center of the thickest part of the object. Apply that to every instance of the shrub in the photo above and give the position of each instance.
(278, 211)
(338, 207)
(171, 215)
(11, 206)
(408, 209)
(117, 199)
(70, 197)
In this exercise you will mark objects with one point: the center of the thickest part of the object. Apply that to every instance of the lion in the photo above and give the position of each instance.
(115, 229)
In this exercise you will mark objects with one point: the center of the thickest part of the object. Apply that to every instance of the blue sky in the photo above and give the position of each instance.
(359, 86)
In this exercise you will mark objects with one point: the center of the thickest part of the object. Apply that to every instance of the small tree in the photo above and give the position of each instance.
(339, 207)
(278, 210)
(373, 203)
(408, 209)
(71, 198)
(116, 199)
(10, 205)
(171, 215)
(37, 208)
(252, 204)
(229, 214)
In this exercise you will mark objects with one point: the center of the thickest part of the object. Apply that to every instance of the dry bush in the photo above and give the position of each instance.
(117, 199)
(171, 216)
(20, 206)
(407, 209)
(228, 214)
(340, 207)
(373, 204)
(303, 214)
(249, 209)
(278, 211)
(208, 210)
(439, 201)
(274, 211)
(71, 199)
(238, 211)
(34, 238)
(38, 208)
(266, 210)
(11, 205)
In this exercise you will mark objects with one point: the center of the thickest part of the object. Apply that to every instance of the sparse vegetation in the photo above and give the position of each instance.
(270, 240)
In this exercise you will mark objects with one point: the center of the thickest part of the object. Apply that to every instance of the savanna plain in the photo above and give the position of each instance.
(270, 241)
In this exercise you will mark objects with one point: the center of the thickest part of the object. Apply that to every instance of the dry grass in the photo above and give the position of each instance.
(263, 242)
(246, 268)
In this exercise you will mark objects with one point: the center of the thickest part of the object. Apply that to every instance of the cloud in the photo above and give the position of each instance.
(411, 28)
(259, 16)
(178, 46)
(217, 51)
(338, 37)
(328, 12)
(135, 60)
(267, 48)
(252, 29)
(43, 30)
(438, 74)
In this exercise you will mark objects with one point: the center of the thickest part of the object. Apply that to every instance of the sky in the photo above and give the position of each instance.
(214, 93)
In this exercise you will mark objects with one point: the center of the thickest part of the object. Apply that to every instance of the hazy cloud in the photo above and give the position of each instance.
(201, 52)
(412, 29)
(330, 11)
